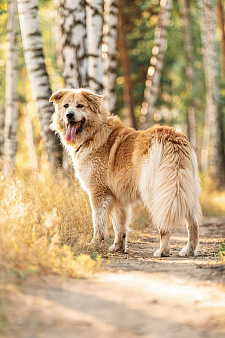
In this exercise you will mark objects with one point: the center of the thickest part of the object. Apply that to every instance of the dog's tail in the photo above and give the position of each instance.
(172, 185)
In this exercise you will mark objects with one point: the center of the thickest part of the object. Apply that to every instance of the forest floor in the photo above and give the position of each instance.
(135, 295)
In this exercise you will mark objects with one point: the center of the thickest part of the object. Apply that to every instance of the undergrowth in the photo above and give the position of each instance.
(222, 252)
(45, 225)
(212, 201)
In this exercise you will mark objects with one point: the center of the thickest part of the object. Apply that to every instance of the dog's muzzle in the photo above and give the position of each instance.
(70, 116)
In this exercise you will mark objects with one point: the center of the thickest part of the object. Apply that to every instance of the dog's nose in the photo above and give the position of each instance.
(70, 115)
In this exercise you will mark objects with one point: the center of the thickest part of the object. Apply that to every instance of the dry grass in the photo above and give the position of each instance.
(212, 201)
(45, 225)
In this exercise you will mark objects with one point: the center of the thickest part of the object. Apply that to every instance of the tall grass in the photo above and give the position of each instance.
(45, 224)
(212, 201)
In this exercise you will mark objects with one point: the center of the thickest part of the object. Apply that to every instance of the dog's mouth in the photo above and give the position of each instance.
(73, 129)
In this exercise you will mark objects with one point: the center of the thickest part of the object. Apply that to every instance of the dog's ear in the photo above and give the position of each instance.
(58, 95)
(95, 101)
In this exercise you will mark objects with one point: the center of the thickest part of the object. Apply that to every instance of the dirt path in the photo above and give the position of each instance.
(136, 295)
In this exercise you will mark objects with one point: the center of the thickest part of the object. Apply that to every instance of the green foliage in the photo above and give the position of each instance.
(222, 252)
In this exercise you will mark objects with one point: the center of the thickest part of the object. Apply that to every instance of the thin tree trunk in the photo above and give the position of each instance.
(213, 118)
(128, 103)
(222, 27)
(94, 38)
(156, 65)
(58, 37)
(209, 102)
(30, 141)
(191, 113)
(11, 109)
(34, 58)
(74, 43)
(109, 52)
(73, 32)
(1, 134)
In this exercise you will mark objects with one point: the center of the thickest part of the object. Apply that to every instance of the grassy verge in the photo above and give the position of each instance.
(222, 252)
(212, 201)
(45, 225)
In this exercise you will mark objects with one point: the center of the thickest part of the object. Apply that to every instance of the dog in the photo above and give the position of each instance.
(117, 166)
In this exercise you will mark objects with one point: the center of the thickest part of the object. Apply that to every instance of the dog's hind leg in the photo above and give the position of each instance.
(120, 218)
(193, 232)
(164, 249)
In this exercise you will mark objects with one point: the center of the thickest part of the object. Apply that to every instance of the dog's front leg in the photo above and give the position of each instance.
(100, 205)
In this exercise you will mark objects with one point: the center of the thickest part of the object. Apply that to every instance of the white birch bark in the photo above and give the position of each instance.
(156, 65)
(58, 37)
(11, 109)
(109, 48)
(34, 58)
(94, 38)
(72, 15)
(213, 118)
(30, 140)
(1, 134)
(191, 112)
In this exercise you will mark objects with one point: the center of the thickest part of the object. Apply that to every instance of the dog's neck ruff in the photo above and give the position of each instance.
(78, 149)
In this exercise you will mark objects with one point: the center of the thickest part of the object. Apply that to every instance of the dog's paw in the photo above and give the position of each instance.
(186, 251)
(116, 247)
(158, 253)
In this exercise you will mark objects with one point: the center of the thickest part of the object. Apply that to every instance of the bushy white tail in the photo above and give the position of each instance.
(170, 186)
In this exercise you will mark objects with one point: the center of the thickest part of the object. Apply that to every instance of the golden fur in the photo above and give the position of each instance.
(117, 166)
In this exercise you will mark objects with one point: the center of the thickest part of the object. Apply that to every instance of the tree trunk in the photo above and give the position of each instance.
(11, 109)
(1, 134)
(30, 141)
(191, 113)
(222, 27)
(73, 32)
(213, 116)
(94, 38)
(74, 43)
(109, 48)
(128, 103)
(58, 37)
(156, 65)
(34, 58)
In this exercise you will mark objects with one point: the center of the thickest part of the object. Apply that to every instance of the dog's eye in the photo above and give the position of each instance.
(80, 106)
(66, 105)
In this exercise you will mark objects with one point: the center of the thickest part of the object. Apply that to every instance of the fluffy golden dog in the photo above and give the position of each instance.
(117, 166)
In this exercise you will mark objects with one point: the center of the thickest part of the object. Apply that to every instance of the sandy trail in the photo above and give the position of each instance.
(135, 296)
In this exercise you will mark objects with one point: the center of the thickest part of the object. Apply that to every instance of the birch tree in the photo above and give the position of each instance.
(191, 112)
(30, 140)
(128, 103)
(213, 117)
(72, 16)
(94, 39)
(1, 134)
(39, 80)
(11, 109)
(109, 48)
(222, 28)
(156, 64)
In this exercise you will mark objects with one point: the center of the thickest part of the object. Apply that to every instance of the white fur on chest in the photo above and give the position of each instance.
(83, 170)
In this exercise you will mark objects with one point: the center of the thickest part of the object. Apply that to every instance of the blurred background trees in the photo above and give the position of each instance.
(107, 45)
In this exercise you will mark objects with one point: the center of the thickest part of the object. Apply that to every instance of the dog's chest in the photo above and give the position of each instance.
(83, 170)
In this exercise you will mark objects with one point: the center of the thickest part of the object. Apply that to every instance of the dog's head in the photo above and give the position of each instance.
(78, 114)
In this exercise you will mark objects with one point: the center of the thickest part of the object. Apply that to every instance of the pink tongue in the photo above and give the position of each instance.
(71, 131)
